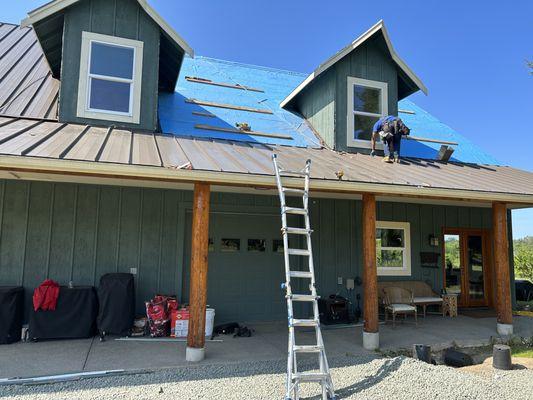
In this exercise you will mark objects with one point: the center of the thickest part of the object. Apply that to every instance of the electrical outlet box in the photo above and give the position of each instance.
(133, 271)
(339, 280)
(350, 283)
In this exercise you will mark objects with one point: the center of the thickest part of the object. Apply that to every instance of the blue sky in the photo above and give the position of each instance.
(470, 55)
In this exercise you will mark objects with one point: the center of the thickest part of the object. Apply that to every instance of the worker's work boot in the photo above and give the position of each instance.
(387, 159)
(396, 158)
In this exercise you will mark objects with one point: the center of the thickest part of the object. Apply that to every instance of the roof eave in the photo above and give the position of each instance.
(379, 26)
(139, 173)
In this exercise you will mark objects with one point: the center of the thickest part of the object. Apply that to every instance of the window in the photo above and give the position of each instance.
(230, 245)
(257, 245)
(110, 78)
(367, 102)
(393, 248)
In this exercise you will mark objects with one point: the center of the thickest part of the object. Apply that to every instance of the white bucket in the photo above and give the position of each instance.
(182, 326)
(209, 321)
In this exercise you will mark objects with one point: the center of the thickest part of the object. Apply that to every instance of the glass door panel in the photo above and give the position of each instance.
(475, 260)
(452, 257)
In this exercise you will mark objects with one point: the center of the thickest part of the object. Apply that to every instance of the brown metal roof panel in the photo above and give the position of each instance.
(172, 154)
(14, 55)
(5, 30)
(255, 159)
(42, 100)
(10, 41)
(89, 145)
(145, 150)
(118, 147)
(15, 128)
(55, 146)
(19, 144)
(199, 158)
(19, 78)
(221, 152)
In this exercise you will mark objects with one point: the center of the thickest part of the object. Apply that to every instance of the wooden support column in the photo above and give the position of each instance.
(501, 267)
(198, 283)
(370, 278)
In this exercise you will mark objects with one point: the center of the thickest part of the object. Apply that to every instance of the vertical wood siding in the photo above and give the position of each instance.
(123, 18)
(80, 232)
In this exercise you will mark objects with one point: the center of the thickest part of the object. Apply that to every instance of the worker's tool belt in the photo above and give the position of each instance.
(385, 135)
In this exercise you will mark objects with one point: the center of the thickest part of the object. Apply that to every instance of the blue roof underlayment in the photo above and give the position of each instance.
(176, 115)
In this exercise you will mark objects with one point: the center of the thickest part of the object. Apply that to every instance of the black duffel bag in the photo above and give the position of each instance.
(11, 314)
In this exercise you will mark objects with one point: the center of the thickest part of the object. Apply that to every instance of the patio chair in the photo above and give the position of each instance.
(398, 300)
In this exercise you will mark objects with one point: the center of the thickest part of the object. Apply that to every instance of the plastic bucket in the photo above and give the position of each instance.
(209, 321)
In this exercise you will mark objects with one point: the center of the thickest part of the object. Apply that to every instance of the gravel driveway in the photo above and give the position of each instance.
(354, 378)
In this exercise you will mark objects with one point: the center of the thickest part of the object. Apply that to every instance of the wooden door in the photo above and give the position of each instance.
(466, 266)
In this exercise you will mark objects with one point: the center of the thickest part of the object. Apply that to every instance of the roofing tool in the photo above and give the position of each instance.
(294, 377)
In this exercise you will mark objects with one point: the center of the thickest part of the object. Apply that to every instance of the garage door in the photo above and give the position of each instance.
(245, 267)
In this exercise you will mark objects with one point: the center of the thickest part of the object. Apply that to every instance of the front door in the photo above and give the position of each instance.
(466, 266)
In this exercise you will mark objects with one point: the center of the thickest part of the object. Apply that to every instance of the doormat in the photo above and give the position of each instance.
(478, 312)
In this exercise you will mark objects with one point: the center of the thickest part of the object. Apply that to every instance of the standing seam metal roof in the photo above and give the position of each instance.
(54, 140)
(27, 87)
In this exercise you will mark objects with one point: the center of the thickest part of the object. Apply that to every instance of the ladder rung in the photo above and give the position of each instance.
(308, 349)
(304, 322)
(296, 231)
(288, 171)
(292, 210)
(300, 274)
(293, 190)
(303, 297)
(310, 376)
(298, 252)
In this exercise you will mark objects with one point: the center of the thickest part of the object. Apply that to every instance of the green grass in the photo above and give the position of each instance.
(522, 351)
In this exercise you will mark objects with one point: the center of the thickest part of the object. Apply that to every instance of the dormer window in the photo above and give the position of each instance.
(110, 78)
(367, 102)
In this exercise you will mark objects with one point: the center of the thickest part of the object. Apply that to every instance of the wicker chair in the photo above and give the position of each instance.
(398, 300)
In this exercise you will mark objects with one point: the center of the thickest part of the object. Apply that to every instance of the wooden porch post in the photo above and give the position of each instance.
(198, 284)
(370, 279)
(501, 266)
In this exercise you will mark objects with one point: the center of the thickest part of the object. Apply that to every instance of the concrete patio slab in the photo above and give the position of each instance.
(269, 342)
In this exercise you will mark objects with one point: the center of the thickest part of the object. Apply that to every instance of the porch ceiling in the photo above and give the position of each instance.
(56, 148)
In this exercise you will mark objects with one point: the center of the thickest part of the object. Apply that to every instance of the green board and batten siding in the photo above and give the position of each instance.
(80, 232)
(324, 103)
(123, 18)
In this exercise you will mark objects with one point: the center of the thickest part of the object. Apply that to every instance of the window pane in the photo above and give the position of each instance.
(390, 237)
(110, 96)
(277, 246)
(230, 245)
(366, 99)
(110, 60)
(390, 259)
(256, 245)
(452, 254)
(363, 127)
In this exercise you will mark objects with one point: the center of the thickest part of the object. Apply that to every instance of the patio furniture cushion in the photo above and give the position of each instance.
(418, 288)
(427, 300)
(401, 308)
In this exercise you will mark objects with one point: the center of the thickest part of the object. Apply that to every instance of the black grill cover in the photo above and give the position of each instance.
(73, 318)
(11, 314)
(116, 295)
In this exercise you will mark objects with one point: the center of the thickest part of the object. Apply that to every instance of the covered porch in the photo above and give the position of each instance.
(268, 343)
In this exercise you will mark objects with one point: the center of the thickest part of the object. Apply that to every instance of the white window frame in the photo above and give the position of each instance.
(84, 89)
(406, 268)
(384, 87)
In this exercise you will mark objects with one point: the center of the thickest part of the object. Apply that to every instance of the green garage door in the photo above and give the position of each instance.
(245, 267)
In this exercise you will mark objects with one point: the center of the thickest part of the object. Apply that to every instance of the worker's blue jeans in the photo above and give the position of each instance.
(392, 145)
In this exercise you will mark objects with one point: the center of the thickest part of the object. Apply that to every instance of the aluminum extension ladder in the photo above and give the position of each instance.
(294, 377)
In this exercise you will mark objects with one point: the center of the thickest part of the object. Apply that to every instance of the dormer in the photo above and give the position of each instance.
(348, 93)
(112, 57)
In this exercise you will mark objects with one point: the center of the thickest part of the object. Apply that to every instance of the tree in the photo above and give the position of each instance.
(530, 65)
(523, 258)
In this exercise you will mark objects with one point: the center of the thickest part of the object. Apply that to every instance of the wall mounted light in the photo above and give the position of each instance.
(433, 241)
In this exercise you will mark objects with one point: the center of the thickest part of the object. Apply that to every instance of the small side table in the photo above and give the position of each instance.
(449, 304)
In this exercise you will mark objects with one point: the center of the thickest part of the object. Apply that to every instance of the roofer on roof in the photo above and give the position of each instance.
(390, 129)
